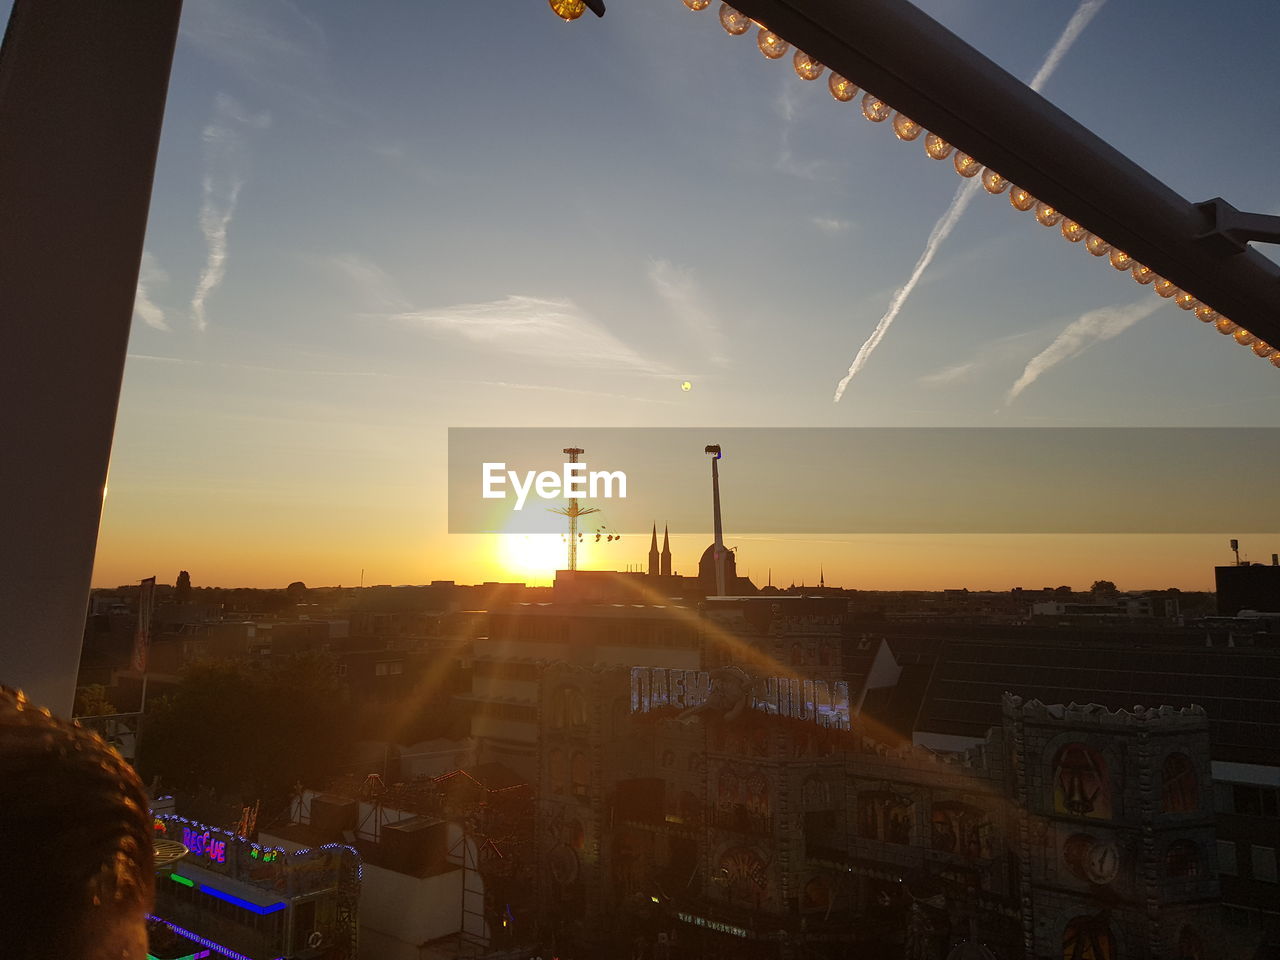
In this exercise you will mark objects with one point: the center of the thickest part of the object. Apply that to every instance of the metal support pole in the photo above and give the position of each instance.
(82, 93)
(917, 66)
(718, 547)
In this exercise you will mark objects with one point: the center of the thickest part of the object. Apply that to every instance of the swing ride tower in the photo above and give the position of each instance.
(573, 511)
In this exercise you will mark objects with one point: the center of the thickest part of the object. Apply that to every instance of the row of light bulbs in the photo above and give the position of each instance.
(877, 111)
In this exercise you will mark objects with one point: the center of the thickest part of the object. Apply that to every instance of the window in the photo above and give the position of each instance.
(743, 876)
(821, 832)
(1182, 860)
(1254, 801)
(568, 708)
(1264, 864)
(960, 828)
(884, 815)
(580, 774)
(1190, 946)
(815, 793)
(817, 894)
(1081, 786)
(1088, 938)
(1178, 790)
(1227, 858)
(388, 668)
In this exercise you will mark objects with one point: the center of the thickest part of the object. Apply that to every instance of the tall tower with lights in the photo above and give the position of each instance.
(573, 511)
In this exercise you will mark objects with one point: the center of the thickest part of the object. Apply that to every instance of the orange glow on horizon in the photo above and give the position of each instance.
(978, 562)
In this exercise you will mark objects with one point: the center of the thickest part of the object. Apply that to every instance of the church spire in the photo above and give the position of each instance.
(822, 580)
(666, 552)
(653, 553)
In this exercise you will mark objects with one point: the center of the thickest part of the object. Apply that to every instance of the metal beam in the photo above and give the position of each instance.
(82, 92)
(913, 63)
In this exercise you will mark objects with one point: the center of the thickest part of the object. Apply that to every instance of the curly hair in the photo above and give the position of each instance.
(76, 851)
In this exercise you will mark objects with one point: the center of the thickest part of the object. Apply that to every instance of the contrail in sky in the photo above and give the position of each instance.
(1080, 334)
(964, 195)
(224, 145)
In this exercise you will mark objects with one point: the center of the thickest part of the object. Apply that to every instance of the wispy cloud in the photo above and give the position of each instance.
(370, 281)
(569, 391)
(993, 353)
(259, 368)
(1079, 335)
(223, 178)
(963, 197)
(679, 290)
(831, 226)
(269, 44)
(150, 275)
(551, 331)
(789, 107)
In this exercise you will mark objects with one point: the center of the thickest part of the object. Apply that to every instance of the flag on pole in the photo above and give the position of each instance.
(142, 635)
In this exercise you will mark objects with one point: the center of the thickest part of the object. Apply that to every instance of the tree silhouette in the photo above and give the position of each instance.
(182, 587)
(1103, 586)
(232, 727)
(91, 701)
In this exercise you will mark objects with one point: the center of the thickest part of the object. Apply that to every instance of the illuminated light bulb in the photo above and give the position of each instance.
(1096, 245)
(1186, 301)
(1021, 199)
(1167, 288)
(875, 109)
(567, 9)
(734, 23)
(993, 183)
(936, 147)
(770, 44)
(1047, 215)
(1226, 327)
(1207, 314)
(1144, 275)
(1121, 260)
(842, 89)
(1275, 359)
(1072, 231)
(697, 4)
(905, 128)
(806, 67)
(965, 165)
(1264, 349)
(1245, 338)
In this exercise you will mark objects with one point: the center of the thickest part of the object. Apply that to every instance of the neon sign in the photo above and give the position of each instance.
(727, 691)
(715, 925)
(205, 845)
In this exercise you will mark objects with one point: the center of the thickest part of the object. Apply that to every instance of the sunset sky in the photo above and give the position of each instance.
(375, 221)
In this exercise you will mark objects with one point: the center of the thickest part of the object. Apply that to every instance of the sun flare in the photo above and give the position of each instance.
(532, 558)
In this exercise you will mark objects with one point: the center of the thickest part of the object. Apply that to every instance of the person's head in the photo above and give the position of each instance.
(77, 873)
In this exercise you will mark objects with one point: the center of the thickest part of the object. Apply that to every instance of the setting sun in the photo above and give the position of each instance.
(532, 558)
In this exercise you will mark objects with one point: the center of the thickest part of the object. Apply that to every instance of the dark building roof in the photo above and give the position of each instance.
(1238, 688)
(1247, 587)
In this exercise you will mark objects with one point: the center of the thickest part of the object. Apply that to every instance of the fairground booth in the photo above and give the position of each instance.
(230, 897)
